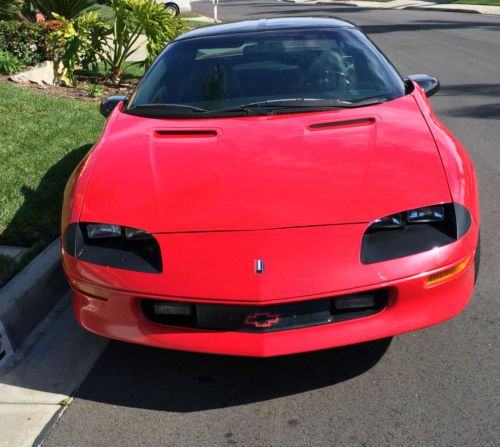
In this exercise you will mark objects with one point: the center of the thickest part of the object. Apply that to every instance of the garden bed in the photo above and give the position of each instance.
(80, 91)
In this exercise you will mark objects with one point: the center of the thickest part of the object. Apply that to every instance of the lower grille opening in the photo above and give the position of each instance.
(277, 317)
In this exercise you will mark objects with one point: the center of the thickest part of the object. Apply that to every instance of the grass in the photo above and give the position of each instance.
(106, 12)
(477, 2)
(42, 138)
(133, 70)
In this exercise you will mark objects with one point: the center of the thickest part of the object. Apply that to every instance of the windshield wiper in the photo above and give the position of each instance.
(366, 102)
(291, 103)
(161, 110)
(298, 103)
(260, 107)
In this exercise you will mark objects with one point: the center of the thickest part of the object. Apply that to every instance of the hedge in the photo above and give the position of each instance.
(25, 40)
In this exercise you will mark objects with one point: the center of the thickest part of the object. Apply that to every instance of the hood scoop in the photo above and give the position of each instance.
(186, 133)
(346, 123)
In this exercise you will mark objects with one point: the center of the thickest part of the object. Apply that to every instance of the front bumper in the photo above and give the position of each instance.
(411, 306)
(218, 269)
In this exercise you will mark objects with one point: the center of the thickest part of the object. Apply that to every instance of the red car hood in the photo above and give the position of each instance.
(343, 166)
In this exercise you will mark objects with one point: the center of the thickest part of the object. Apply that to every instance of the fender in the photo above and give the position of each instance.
(76, 186)
(458, 167)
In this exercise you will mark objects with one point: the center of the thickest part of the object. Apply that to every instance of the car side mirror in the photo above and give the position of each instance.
(429, 84)
(108, 104)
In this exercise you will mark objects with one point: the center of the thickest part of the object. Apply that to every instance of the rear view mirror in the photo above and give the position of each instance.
(108, 104)
(429, 84)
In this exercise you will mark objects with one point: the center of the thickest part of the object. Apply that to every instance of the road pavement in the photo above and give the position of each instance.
(435, 387)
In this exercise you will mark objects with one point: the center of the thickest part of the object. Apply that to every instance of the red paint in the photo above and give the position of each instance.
(265, 172)
(272, 188)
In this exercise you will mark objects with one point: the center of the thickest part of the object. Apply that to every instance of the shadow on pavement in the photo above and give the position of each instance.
(156, 379)
(427, 25)
(482, 111)
(338, 11)
(480, 108)
(470, 90)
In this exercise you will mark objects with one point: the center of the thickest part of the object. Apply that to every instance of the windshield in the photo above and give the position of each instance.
(306, 68)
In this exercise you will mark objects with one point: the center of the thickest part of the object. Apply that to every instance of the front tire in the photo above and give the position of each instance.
(172, 9)
(477, 258)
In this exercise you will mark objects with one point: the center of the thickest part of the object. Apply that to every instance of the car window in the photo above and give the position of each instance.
(214, 72)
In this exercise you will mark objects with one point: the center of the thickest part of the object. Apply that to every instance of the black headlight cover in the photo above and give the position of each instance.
(140, 255)
(384, 244)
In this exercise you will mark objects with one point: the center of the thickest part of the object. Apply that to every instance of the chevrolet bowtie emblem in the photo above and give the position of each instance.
(259, 266)
(262, 319)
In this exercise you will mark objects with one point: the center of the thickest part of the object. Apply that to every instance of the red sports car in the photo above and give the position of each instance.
(271, 187)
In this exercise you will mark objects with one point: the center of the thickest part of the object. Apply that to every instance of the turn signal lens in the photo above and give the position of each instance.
(447, 274)
(94, 292)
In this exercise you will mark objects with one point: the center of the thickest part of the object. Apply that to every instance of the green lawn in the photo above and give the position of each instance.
(42, 139)
(132, 71)
(478, 2)
(104, 11)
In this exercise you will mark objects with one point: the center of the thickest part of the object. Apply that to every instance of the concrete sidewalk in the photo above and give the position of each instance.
(409, 4)
(40, 379)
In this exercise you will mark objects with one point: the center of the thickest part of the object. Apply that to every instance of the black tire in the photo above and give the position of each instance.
(477, 258)
(173, 9)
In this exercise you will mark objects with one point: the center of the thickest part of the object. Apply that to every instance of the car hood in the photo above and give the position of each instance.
(265, 172)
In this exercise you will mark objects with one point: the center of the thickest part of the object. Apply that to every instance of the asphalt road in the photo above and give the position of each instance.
(439, 386)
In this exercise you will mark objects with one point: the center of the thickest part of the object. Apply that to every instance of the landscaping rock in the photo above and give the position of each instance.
(42, 74)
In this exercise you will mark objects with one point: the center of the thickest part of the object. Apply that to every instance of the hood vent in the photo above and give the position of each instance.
(348, 123)
(186, 133)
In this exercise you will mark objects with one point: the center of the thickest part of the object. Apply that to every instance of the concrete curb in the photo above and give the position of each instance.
(27, 298)
(437, 8)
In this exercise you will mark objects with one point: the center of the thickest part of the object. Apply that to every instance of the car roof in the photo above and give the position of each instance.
(266, 25)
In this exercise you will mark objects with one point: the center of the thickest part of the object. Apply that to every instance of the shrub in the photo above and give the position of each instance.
(68, 9)
(10, 64)
(88, 38)
(94, 90)
(78, 42)
(9, 9)
(133, 18)
(25, 40)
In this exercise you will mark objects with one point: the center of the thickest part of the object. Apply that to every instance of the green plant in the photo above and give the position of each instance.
(25, 40)
(84, 40)
(94, 90)
(78, 42)
(133, 18)
(10, 64)
(9, 9)
(68, 9)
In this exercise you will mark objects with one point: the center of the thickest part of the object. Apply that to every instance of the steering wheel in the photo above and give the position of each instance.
(327, 79)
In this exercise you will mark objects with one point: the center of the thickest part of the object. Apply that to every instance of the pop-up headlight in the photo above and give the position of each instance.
(426, 214)
(96, 231)
(414, 231)
(114, 246)
(392, 221)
